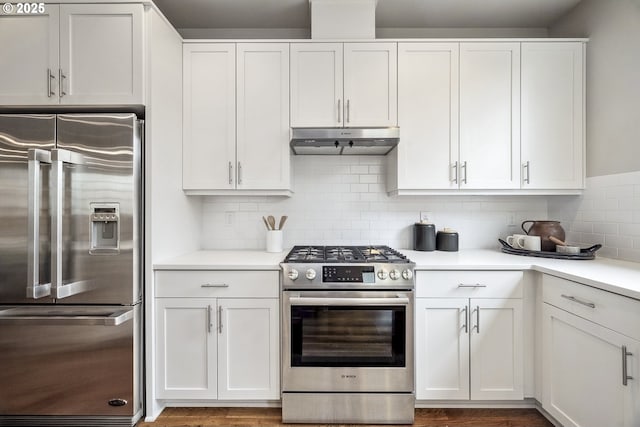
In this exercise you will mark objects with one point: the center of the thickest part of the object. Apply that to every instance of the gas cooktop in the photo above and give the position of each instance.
(344, 254)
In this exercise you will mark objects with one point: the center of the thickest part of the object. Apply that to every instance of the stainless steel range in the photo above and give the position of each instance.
(347, 335)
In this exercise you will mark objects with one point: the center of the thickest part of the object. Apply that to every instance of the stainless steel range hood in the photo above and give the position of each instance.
(344, 141)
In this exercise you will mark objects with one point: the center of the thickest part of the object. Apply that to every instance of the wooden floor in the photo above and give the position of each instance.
(233, 417)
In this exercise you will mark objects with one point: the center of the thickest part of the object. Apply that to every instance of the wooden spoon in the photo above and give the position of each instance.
(266, 223)
(283, 219)
(557, 241)
(272, 222)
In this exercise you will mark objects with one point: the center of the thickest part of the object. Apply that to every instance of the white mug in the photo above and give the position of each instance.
(523, 241)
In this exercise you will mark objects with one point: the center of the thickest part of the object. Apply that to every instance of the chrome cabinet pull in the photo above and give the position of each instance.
(214, 285)
(239, 173)
(625, 374)
(465, 310)
(209, 325)
(230, 173)
(348, 112)
(477, 326)
(526, 167)
(50, 76)
(62, 78)
(476, 285)
(219, 320)
(339, 115)
(454, 169)
(464, 176)
(574, 299)
(34, 289)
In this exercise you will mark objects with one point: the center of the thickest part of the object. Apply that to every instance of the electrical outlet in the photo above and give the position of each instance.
(426, 216)
(511, 221)
(229, 218)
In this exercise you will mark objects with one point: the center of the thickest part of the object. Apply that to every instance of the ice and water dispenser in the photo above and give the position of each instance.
(105, 228)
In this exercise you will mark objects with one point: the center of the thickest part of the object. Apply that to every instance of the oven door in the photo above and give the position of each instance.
(347, 341)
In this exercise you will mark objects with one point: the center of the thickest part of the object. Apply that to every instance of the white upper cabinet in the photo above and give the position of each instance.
(427, 116)
(209, 109)
(101, 52)
(370, 84)
(552, 115)
(263, 116)
(29, 64)
(236, 119)
(316, 84)
(489, 116)
(350, 84)
(76, 54)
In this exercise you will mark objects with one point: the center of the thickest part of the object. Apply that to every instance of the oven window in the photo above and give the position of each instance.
(348, 336)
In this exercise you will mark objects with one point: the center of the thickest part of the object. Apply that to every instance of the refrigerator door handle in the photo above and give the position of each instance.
(116, 318)
(59, 157)
(35, 290)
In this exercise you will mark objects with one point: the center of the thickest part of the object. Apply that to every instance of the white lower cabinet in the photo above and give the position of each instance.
(470, 346)
(225, 346)
(591, 373)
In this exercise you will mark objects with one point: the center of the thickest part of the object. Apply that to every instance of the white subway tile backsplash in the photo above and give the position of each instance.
(343, 200)
(611, 205)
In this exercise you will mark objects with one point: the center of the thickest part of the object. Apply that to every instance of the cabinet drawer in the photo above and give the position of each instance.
(232, 284)
(613, 311)
(469, 284)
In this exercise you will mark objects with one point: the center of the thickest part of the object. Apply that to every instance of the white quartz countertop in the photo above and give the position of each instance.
(224, 260)
(621, 277)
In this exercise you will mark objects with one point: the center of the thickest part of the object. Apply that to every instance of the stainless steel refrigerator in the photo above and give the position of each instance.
(70, 269)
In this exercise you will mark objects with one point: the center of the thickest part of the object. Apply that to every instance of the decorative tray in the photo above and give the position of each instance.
(585, 253)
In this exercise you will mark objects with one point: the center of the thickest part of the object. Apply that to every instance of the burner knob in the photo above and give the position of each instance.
(310, 274)
(382, 274)
(407, 274)
(394, 274)
(293, 274)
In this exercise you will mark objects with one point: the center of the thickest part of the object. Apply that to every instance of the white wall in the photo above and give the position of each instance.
(613, 85)
(342, 200)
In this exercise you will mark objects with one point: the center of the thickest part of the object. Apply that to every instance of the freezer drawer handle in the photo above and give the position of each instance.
(114, 319)
(59, 157)
(35, 290)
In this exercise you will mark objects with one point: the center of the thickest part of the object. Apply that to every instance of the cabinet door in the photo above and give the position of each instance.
(316, 84)
(248, 361)
(370, 84)
(552, 115)
(442, 348)
(489, 115)
(427, 115)
(186, 348)
(209, 131)
(497, 359)
(29, 64)
(101, 53)
(263, 116)
(582, 368)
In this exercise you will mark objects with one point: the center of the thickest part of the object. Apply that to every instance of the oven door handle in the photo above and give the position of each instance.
(400, 300)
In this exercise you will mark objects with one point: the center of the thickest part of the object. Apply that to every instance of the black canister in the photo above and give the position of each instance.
(447, 240)
(424, 237)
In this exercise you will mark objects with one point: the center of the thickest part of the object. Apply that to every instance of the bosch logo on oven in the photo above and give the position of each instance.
(346, 377)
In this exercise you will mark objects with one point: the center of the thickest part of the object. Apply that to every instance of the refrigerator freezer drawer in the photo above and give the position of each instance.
(70, 361)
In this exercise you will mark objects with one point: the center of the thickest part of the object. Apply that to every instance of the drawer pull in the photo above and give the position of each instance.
(625, 376)
(574, 299)
(214, 285)
(476, 285)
